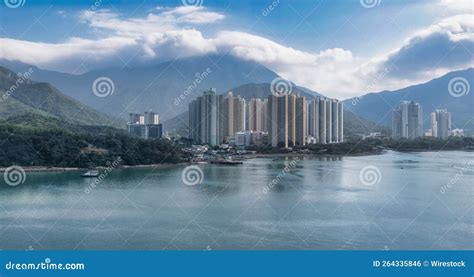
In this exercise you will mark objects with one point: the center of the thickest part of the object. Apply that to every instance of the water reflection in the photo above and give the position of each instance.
(319, 199)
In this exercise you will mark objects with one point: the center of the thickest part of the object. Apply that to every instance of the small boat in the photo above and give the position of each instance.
(90, 174)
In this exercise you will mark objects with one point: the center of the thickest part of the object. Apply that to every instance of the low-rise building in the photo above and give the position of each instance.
(146, 126)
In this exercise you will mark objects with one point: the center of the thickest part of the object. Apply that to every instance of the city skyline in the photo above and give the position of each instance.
(214, 119)
(282, 137)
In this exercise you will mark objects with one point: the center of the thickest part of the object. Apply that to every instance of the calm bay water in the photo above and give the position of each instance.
(421, 201)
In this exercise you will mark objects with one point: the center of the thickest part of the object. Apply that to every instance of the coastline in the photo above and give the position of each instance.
(247, 156)
(279, 155)
(75, 169)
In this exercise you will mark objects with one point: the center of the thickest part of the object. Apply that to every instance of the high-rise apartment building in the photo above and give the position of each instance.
(322, 121)
(213, 119)
(204, 118)
(239, 114)
(326, 120)
(255, 115)
(441, 124)
(277, 118)
(289, 119)
(301, 121)
(313, 119)
(408, 121)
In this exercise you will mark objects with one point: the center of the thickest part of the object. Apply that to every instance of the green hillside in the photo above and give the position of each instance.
(19, 96)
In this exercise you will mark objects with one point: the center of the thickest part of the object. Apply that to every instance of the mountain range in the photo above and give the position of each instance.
(157, 87)
(154, 87)
(20, 95)
(432, 95)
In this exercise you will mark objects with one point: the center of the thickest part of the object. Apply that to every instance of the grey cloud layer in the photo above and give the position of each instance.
(174, 33)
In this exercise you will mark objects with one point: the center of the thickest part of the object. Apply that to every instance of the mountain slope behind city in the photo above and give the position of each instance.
(155, 87)
(19, 95)
(432, 95)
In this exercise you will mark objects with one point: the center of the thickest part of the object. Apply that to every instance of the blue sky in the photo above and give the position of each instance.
(337, 47)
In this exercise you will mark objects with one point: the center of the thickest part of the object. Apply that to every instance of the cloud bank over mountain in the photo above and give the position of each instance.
(170, 33)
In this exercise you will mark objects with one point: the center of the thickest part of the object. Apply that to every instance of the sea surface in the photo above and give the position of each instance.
(391, 201)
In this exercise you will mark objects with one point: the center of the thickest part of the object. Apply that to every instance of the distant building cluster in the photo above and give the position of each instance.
(281, 121)
(441, 124)
(408, 122)
(146, 126)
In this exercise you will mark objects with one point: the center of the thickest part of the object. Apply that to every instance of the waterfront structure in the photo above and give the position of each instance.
(146, 126)
(441, 124)
(408, 121)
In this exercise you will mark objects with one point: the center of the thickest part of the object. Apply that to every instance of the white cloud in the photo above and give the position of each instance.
(171, 33)
(457, 5)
